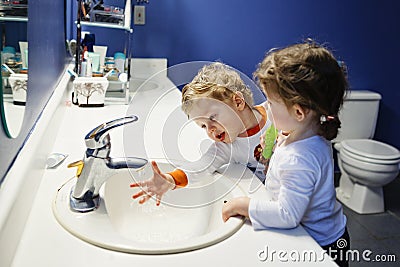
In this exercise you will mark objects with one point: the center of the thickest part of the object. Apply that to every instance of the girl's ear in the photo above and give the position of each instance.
(299, 112)
(238, 101)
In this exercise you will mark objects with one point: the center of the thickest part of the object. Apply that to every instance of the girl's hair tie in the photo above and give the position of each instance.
(325, 118)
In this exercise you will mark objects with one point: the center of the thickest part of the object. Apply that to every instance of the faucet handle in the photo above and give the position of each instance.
(80, 164)
(98, 137)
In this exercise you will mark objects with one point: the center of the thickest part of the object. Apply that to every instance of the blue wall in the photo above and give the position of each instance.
(47, 59)
(365, 34)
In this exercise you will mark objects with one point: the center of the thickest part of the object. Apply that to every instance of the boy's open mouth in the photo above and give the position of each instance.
(221, 136)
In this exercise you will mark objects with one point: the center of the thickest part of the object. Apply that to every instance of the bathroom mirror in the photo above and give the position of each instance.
(14, 65)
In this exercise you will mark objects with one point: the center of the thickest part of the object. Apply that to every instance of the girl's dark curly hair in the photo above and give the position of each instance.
(306, 74)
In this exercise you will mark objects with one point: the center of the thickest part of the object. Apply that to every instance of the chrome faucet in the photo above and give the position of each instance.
(97, 166)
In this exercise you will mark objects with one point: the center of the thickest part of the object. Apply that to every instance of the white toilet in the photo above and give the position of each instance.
(365, 165)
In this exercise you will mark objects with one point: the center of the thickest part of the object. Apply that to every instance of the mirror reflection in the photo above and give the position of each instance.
(14, 64)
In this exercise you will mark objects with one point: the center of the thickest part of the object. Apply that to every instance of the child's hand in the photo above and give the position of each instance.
(156, 186)
(236, 206)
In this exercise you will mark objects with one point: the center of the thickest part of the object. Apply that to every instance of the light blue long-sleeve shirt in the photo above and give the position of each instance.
(300, 177)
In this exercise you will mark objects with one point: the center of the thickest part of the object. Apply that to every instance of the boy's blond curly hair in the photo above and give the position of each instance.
(217, 81)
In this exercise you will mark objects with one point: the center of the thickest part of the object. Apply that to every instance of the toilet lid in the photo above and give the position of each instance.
(371, 149)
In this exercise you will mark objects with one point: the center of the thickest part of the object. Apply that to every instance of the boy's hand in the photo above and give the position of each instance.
(156, 186)
(236, 206)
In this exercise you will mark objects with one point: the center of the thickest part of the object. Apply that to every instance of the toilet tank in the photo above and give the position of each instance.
(358, 115)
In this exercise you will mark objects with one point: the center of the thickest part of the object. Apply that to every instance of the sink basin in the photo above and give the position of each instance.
(187, 219)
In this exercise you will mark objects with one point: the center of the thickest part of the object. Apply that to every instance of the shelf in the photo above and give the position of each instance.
(16, 19)
(104, 25)
(117, 92)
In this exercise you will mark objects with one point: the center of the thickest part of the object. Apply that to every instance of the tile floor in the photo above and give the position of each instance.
(379, 233)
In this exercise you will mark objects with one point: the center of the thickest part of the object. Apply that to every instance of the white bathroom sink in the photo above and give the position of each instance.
(187, 219)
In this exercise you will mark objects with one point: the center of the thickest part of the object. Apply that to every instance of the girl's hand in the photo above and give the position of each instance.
(236, 206)
(156, 186)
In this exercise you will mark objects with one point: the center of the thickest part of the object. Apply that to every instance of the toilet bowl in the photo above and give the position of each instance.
(366, 166)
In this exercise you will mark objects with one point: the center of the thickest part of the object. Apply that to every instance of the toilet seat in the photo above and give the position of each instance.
(372, 167)
(367, 150)
(369, 160)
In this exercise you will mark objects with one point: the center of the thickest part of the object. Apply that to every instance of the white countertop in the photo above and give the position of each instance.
(46, 243)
